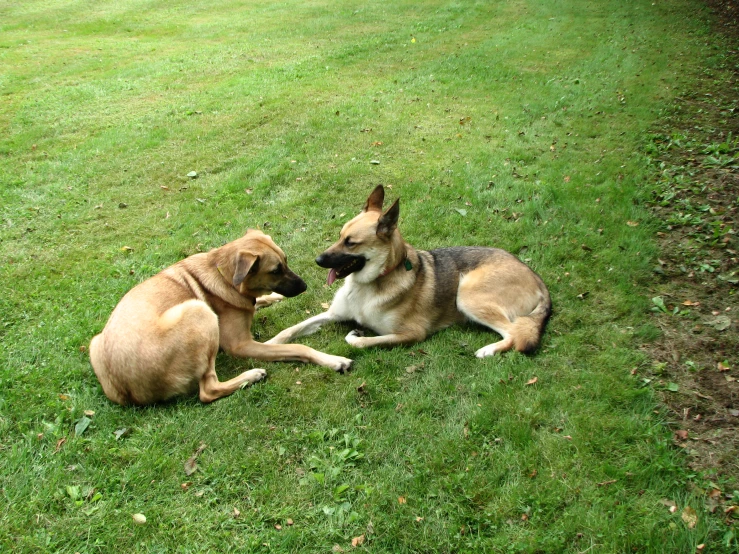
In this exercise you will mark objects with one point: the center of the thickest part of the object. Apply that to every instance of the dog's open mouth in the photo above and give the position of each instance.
(355, 264)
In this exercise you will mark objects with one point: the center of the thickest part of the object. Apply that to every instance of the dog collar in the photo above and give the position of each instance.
(406, 262)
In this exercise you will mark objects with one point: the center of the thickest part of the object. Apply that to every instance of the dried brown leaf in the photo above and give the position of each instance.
(690, 517)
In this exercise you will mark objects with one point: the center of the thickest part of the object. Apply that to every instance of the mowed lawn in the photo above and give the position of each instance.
(518, 124)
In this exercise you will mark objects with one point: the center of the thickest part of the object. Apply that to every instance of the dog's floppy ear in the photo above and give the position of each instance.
(244, 262)
(389, 220)
(375, 200)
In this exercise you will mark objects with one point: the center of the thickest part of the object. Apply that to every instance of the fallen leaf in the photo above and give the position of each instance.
(375, 162)
(690, 517)
(358, 541)
(729, 378)
(139, 518)
(723, 366)
(699, 548)
(733, 412)
(236, 512)
(461, 211)
(419, 518)
(325, 305)
(668, 503)
(126, 249)
(401, 500)
(361, 389)
(632, 223)
(681, 434)
(731, 510)
(290, 521)
(185, 486)
(81, 426)
(691, 303)
(193, 175)
(89, 413)
(121, 433)
(336, 549)
(720, 323)
(278, 527)
(714, 498)
(59, 444)
(191, 464)
(531, 381)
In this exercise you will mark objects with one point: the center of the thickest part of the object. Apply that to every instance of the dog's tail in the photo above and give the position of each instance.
(527, 330)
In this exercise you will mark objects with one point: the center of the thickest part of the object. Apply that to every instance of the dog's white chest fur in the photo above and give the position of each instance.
(362, 304)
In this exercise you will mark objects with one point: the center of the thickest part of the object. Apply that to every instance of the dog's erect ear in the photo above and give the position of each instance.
(389, 220)
(375, 200)
(244, 262)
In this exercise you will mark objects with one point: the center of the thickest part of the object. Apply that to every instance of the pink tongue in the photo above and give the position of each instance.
(331, 277)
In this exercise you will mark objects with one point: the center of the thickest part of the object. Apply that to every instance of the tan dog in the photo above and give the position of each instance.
(162, 338)
(404, 294)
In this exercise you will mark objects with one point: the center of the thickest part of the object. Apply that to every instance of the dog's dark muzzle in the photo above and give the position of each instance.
(344, 264)
(290, 285)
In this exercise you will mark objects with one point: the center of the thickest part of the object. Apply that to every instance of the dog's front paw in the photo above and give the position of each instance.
(339, 363)
(252, 376)
(268, 300)
(355, 338)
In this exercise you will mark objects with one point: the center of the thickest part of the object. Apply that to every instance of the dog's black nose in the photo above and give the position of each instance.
(301, 287)
(290, 285)
(321, 260)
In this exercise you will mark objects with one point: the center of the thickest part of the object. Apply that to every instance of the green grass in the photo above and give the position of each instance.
(529, 115)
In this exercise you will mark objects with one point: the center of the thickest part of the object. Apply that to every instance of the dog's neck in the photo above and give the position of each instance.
(399, 258)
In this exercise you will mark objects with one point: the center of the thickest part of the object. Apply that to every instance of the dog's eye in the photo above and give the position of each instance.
(277, 270)
(349, 242)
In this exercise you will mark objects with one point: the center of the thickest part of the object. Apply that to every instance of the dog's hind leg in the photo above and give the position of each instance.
(510, 302)
(212, 389)
(191, 332)
(493, 317)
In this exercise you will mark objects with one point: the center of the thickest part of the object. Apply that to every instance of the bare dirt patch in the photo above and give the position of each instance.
(695, 294)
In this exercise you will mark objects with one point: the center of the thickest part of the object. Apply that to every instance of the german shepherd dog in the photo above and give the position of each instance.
(163, 336)
(404, 294)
